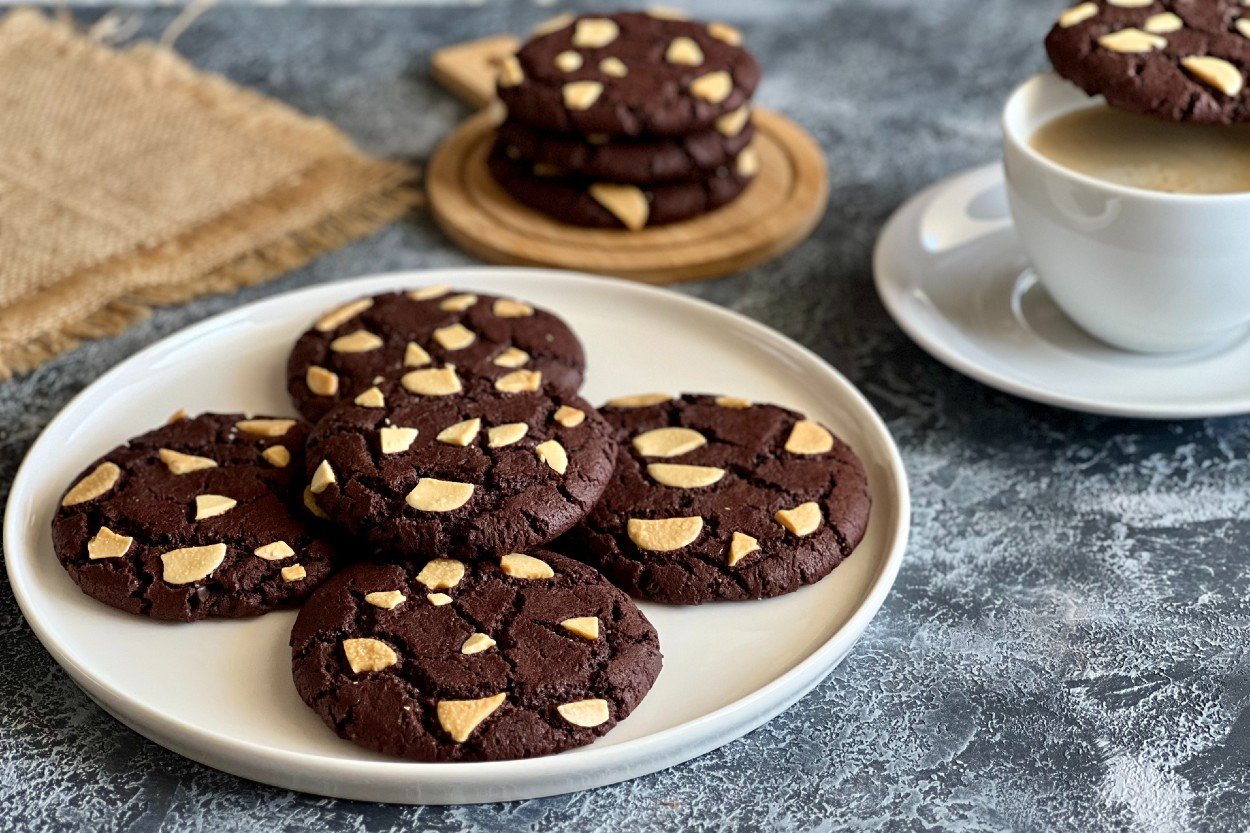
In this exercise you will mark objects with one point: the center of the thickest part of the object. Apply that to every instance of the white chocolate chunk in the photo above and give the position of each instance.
(506, 434)
(510, 72)
(177, 416)
(1165, 23)
(519, 381)
(427, 293)
(668, 442)
(441, 573)
(587, 627)
(627, 203)
(807, 437)
(664, 534)
(277, 551)
(684, 51)
(386, 599)
(108, 544)
(740, 546)
(310, 503)
(431, 495)
(321, 382)
(360, 341)
(102, 478)
(747, 163)
(395, 439)
(734, 122)
(458, 303)
(1215, 72)
(267, 428)
(460, 717)
(666, 13)
(433, 381)
(1131, 41)
(371, 398)
(461, 434)
(594, 32)
(1130, 4)
(512, 357)
(580, 95)
(613, 67)
(552, 24)
(510, 308)
(210, 506)
(454, 337)
(640, 400)
(1077, 14)
(477, 643)
(568, 61)
(568, 416)
(277, 456)
(188, 564)
(294, 572)
(322, 478)
(365, 655)
(438, 599)
(554, 455)
(714, 87)
(179, 463)
(684, 477)
(585, 713)
(520, 565)
(1243, 26)
(802, 520)
(415, 355)
(725, 33)
(339, 316)
(733, 402)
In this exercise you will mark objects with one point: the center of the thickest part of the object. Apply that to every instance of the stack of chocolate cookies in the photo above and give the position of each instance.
(627, 120)
(463, 531)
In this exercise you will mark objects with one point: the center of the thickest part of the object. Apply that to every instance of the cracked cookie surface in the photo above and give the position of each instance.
(444, 660)
(390, 335)
(716, 498)
(469, 475)
(200, 518)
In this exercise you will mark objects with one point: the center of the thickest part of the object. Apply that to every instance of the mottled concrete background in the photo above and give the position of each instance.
(1066, 644)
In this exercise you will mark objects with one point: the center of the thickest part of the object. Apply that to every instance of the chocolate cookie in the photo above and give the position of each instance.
(487, 660)
(474, 475)
(629, 74)
(637, 162)
(418, 335)
(580, 202)
(1179, 60)
(716, 498)
(201, 518)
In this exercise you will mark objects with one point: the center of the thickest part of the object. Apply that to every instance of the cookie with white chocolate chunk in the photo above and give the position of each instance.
(201, 518)
(435, 340)
(1177, 60)
(470, 475)
(718, 498)
(445, 660)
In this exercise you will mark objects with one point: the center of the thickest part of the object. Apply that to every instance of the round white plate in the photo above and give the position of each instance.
(952, 274)
(220, 692)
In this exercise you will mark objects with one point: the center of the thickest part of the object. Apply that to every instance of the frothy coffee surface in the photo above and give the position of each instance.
(1141, 152)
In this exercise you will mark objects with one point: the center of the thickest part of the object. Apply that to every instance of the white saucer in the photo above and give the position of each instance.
(220, 692)
(951, 273)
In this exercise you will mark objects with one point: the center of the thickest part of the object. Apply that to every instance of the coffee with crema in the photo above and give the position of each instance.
(1141, 152)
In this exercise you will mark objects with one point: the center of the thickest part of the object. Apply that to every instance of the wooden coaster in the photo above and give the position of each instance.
(776, 211)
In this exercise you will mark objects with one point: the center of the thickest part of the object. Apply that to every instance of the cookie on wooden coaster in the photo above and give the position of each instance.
(1179, 60)
(716, 498)
(418, 336)
(628, 74)
(470, 475)
(494, 659)
(201, 518)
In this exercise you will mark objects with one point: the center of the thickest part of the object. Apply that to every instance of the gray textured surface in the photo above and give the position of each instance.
(1065, 647)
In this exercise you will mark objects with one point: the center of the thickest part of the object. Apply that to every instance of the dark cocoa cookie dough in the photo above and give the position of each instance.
(489, 340)
(1178, 60)
(679, 76)
(473, 661)
(580, 202)
(637, 162)
(201, 518)
(714, 499)
(484, 474)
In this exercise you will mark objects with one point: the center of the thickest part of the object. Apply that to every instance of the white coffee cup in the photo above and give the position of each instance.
(1143, 270)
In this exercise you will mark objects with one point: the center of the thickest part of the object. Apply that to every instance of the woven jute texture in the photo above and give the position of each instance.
(129, 179)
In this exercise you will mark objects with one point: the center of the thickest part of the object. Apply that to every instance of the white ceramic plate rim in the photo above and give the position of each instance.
(916, 320)
(581, 768)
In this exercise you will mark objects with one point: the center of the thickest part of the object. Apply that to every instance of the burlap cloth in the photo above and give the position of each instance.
(128, 178)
